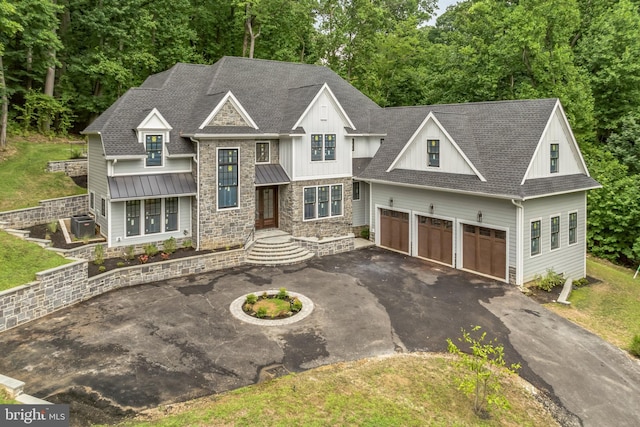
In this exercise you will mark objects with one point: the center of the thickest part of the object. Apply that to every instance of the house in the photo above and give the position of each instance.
(214, 152)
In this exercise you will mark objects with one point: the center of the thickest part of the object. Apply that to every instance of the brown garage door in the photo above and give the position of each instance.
(394, 230)
(435, 239)
(484, 250)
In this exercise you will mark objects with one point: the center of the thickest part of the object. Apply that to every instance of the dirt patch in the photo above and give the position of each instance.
(544, 297)
(57, 239)
(81, 181)
(89, 408)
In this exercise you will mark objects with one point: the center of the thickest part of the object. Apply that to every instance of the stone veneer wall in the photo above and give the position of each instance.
(329, 246)
(69, 167)
(292, 208)
(47, 211)
(63, 286)
(226, 227)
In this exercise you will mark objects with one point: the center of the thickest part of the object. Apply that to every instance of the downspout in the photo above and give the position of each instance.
(197, 160)
(519, 248)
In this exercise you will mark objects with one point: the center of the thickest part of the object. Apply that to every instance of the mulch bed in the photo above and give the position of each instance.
(112, 263)
(544, 297)
(57, 238)
(81, 181)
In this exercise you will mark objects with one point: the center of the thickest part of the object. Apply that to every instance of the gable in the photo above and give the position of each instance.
(324, 108)
(229, 112)
(415, 154)
(570, 161)
(153, 122)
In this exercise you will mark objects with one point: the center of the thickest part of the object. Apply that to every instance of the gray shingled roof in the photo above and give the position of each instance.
(499, 138)
(273, 93)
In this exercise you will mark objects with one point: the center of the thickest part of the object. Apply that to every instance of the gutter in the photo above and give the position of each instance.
(519, 238)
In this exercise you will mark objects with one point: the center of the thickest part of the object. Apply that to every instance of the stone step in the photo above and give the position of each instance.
(278, 250)
(289, 261)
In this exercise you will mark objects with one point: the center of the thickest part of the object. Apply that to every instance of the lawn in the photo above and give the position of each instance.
(609, 308)
(21, 260)
(406, 390)
(24, 178)
(4, 398)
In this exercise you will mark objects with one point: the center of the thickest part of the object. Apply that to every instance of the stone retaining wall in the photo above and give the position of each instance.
(69, 284)
(328, 246)
(47, 211)
(76, 167)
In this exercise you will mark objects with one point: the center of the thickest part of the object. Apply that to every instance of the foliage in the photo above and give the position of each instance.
(40, 110)
(143, 259)
(52, 226)
(151, 249)
(282, 293)
(580, 282)
(549, 281)
(624, 142)
(365, 233)
(296, 305)
(169, 246)
(187, 244)
(634, 348)
(120, 264)
(129, 253)
(251, 299)
(261, 312)
(485, 366)
(98, 255)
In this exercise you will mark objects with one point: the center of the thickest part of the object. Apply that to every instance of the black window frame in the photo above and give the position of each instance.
(536, 228)
(355, 191)
(171, 212)
(554, 235)
(554, 158)
(228, 180)
(323, 147)
(573, 228)
(132, 212)
(154, 150)
(103, 207)
(433, 153)
(314, 195)
(152, 216)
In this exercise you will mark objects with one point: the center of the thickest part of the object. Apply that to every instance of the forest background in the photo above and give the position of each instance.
(63, 62)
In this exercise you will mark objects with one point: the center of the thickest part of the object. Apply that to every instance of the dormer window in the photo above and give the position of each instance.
(554, 157)
(154, 150)
(433, 153)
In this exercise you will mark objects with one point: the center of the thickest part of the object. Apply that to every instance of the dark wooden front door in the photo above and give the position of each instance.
(266, 207)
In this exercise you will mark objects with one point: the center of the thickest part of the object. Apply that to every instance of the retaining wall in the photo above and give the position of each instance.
(46, 211)
(77, 167)
(327, 245)
(69, 284)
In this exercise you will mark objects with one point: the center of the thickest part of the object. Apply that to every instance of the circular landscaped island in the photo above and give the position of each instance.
(272, 307)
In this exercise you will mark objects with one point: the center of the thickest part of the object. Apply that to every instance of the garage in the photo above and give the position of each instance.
(484, 250)
(394, 230)
(435, 239)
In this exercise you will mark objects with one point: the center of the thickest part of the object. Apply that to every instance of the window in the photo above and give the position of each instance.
(154, 150)
(535, 237)
(323, 147)
(262, 152)
(555, 148)
(555, 232)
(573, 228)
(227, 178)
(171, 214)
(152, 211)
(353, 144)
(92, 199)
(433, 152)
(322, 201)
(133, 218)
(103, 207)
(356, 190)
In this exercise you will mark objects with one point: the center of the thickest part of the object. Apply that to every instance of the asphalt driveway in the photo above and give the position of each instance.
(171, 341)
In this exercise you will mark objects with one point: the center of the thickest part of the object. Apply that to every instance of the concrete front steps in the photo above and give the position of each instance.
(276, 248)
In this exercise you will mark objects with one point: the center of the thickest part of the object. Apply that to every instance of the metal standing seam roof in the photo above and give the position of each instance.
(146, 186)
(271, 174)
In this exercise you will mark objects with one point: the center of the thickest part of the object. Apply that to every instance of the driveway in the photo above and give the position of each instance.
(171, 341)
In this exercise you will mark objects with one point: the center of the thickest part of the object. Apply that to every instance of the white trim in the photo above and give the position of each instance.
(310, 177)
(149, 171)
(165, 137)
(519, 242)
(218, 208)
(316, 217)
(551, 216)
(205, 136)
(449, 138)
(569, 227)
(268, 152)
(236, 104)
(163, 215)
(560, 193)
(154, 112)
(532, 220)
(415, 238)
(325, 87)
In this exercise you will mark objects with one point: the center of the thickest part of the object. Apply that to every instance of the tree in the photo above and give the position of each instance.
(624, 143)
(9, 26)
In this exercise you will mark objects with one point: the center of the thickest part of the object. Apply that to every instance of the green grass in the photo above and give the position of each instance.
(405, 390)
(4, 398)
(24, 178)
(611, 308)
(21, 260)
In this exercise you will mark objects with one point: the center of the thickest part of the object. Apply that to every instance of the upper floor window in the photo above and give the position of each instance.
(555, 232)
(573, 227)
(227, 178)
(262, 152)
(323, 147)
(535, 237)
(433, 152)
(154, 150)
(554, 157)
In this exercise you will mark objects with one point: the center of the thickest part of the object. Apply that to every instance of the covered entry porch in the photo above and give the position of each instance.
(268, 180)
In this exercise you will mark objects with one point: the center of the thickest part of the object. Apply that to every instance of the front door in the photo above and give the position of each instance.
(266, 207)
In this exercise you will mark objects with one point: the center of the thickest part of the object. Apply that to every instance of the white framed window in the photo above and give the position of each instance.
(154, 149)
(263, 152)
(573, 228)
(323, 147)
(554, 158)
(536, 226)
(356, 190)
(555, 232)
(433, 153)
(228, 172)
(103, 207)
(152, 211)
(322, 201)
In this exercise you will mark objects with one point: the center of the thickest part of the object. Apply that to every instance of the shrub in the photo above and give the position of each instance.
(129, 253)
(165, 256)
(52, 226)
(365, 233)
(150, 249)
(120, 264)
(635, 346)
(187, 244)
(98, 255)
(549, 280)
(282, 293)
(296, 305)
(76, 153)
(580, 282)
(169, 245)
(251, 299)
(143, 258)
(102, 269)
(262, 312)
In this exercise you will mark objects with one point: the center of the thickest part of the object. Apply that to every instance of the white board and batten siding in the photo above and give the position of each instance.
(415, 156)
(361, 207)
(97, 179)
(569, 160)
(323, 117)
(118, 235)
(285, 147)
(496, 213)
(365, 146)
(567, 259)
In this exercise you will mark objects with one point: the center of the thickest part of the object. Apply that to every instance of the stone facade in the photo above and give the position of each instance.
(292, 210)
(69, 167)
(228, 116)
(328, 246)
(47, 211)
(219, 228)
(63, 286)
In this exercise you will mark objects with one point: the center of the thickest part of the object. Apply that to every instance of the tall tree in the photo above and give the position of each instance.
(9, 26)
